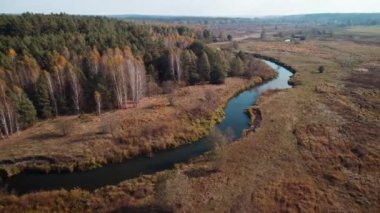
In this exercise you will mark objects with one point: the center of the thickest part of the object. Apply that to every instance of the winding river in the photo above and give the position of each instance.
(112, 174)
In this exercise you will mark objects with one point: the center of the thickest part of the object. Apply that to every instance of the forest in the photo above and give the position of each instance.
(336, 19)
(58, 64)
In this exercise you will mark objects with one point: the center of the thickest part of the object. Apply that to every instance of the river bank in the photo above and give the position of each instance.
(139, 131)
(316, 148)
(151, 180)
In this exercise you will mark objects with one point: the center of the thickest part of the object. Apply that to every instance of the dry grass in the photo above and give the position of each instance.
(331, 162)
(316, 150)
(114, 136)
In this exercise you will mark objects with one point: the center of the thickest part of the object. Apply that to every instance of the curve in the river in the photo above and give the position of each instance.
(235, 118)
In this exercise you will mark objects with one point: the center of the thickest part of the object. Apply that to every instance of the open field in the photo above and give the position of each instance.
(363, 31)
(317, 149)
(359, 34)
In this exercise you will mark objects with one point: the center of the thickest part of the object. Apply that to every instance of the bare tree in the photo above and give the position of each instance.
(172, 62)
(7, 118)
(98, 100)
(117, 70)
(75, 87)
(51, 92)
(178, 63)
(95, 59)
(175, 64)
(137, 79)
(4, 122)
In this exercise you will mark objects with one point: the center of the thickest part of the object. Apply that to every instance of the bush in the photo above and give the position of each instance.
(321, 69)
(173, 191)
(171, 99)
(65, 128)
(219, 142)
(109, 127)
(235, 44)
(169, 87)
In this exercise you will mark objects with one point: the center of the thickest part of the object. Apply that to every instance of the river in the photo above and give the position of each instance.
(111, 174)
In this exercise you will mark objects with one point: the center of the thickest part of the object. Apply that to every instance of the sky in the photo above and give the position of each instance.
(233, 8)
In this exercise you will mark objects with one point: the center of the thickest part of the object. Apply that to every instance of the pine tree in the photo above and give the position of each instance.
(26, 111)
(217, 76)
(204, 67)
(237, 67)
(44, 108)
(189, 66)
(222, 60)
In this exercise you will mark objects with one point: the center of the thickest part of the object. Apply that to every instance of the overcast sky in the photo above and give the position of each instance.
(189, 7)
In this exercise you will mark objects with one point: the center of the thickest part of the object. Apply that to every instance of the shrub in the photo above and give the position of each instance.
(153, 88)
(219, 152)
(235, 44)
(109, 127)
(321, 69)
(173, 191)
(65, 127)
(171, 99)
(169, 88)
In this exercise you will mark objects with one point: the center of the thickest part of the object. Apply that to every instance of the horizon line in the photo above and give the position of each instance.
(187, 16)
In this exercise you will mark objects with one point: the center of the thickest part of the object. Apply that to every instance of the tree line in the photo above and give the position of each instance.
(60, 64)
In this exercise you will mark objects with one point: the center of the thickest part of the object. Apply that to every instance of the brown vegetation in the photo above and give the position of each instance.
(114, 136)
(317, 149)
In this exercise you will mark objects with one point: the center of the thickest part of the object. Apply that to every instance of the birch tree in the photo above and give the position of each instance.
(137, 79)
(51, 92)
(98, 100)
(75, 86)
(7, 111)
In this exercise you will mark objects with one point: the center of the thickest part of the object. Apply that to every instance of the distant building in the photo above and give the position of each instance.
(288, 40)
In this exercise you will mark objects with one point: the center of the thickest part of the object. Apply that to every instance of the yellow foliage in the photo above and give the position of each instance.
(97, 96)
(11, 53)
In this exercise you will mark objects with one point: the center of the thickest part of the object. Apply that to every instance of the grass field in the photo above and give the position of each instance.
(363, 31)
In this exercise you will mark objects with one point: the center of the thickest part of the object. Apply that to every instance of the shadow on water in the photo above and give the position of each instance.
(235, 119)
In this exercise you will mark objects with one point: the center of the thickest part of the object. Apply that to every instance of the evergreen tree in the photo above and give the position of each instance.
(229, 37)
(44, 108)
(237, 67)
(194, 78)
(222, 60)
(217, 76)
(206, 34)
(204, 67)
(241, 55)
(198, 48)
(189, 66)
(27, 112)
